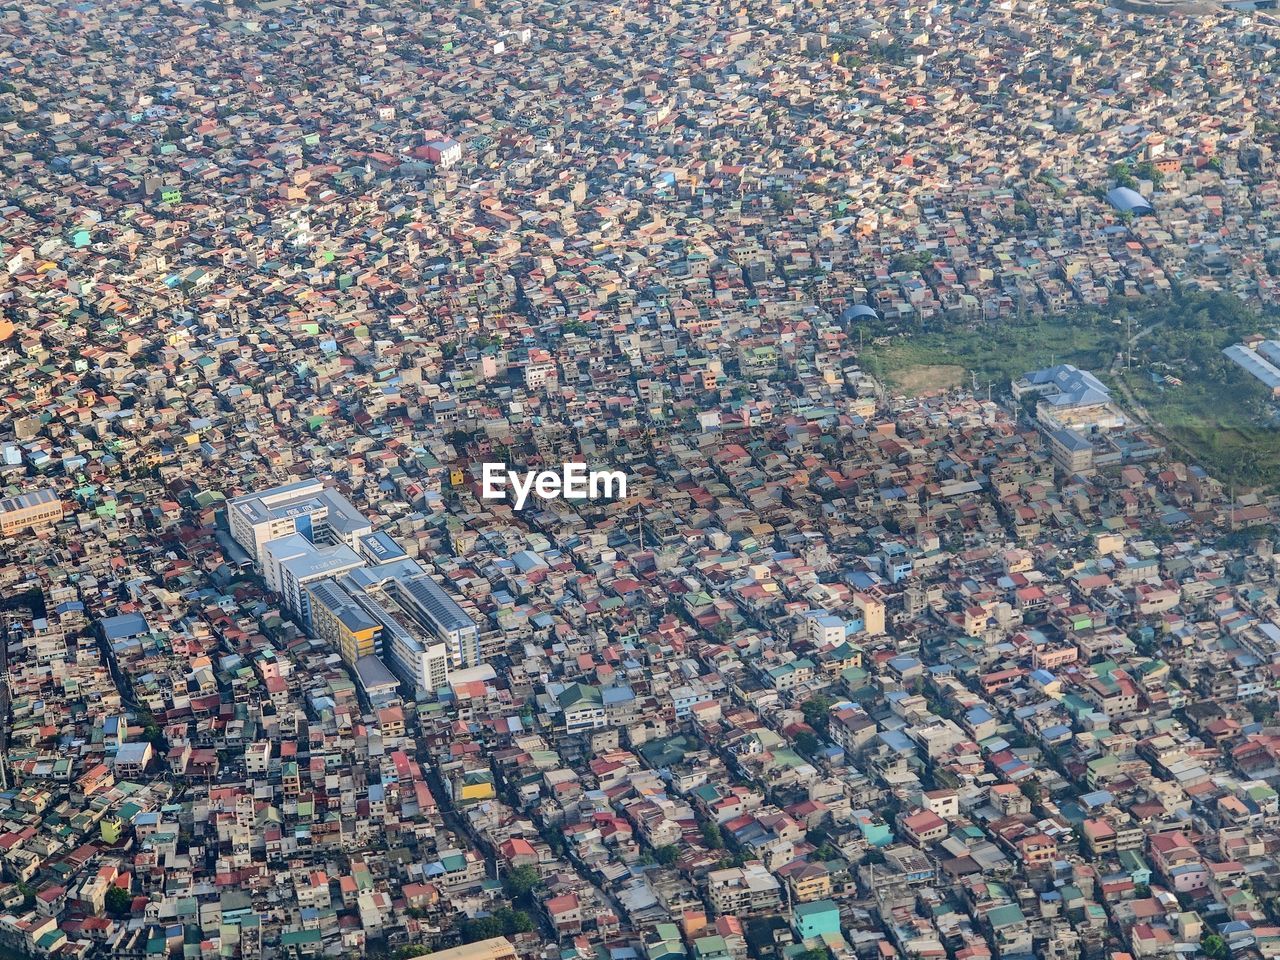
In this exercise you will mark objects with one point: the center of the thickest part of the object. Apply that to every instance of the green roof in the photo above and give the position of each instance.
(815, 908)
(1005, 916)
(578, 693)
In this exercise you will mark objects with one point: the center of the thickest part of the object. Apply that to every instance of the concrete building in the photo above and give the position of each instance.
(336, 617)
(746, 889)
(410, 647)
(307, 507)
(292, 562)
(29, 511)
(1071, 451)
(1069, 395)
(499, 948)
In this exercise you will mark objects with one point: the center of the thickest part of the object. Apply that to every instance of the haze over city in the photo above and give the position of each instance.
(499, 480)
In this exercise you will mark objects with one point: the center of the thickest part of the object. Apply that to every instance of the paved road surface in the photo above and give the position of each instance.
(4, 697)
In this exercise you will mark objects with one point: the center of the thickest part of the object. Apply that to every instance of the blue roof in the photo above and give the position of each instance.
(437, 603)
(614, 695)
(1097, 798)
(1070, 439)
(132, 752)
(859, 311)
(381, 547)
(1128, 201)
(1071, 386)
(527, 560)
(897, 741)
(124, 626)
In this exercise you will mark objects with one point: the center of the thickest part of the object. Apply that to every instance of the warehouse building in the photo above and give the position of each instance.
(1258, 368)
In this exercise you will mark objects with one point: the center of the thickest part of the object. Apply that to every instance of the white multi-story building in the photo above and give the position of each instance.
(307, 507)
(293, 561)
(309, 542)
(405, 588)
(824, 629)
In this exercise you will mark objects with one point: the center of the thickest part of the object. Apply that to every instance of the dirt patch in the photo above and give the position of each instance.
(928, 378)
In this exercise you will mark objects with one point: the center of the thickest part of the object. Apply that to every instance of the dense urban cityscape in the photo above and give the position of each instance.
(672, 480)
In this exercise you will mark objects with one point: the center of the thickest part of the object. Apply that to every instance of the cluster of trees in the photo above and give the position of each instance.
(815, 711)
(1214, 947)
(119, 901)
(908, 262)
(520, 883)
(503, 922)
(1197, 328)
(1126, 174)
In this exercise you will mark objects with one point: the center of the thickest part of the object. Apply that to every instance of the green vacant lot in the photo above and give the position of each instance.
(1000, 353)
(1215, 422)
(1217, 418)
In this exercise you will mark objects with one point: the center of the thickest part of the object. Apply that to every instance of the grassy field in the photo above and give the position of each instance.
(928, 377)
(1215, 421)
(1212, 420)
(936, 361)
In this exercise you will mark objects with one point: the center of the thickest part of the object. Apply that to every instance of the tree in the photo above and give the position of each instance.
(555, 839)
(480, 928)
(119, 902)
(667, 855)
(1122, 174)
(1214, 947)
(816, 709)
(712, 836)
(807, 743)
(512, 921)
(521, 881)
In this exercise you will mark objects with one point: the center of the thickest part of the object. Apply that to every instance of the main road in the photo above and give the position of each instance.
(4, 707)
